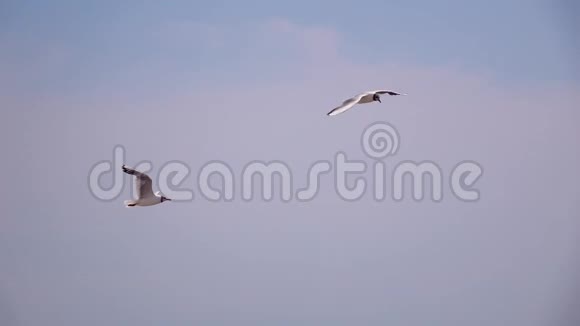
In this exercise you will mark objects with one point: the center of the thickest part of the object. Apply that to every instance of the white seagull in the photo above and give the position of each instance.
(145, 195)
(362, 98)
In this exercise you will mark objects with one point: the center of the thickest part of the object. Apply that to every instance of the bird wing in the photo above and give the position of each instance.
(387, 92)
(144, 184)
(346, 105)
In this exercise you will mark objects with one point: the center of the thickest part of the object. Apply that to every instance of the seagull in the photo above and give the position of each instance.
(145, 196)
(362, 98)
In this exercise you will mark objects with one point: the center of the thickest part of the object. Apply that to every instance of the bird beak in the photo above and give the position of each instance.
(379, 100)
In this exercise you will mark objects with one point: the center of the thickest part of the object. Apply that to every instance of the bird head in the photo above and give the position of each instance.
(376, 97)
(163, 198)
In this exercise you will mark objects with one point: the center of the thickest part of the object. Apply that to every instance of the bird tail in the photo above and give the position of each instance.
(130, 203)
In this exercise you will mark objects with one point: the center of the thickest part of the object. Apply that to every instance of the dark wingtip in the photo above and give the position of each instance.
(126, 169)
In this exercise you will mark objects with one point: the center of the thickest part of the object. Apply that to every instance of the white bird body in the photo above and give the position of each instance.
(147, 201)
(145, 195)
(366, 97)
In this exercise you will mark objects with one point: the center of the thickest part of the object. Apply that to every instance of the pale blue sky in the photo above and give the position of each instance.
(519, 41)
(491, 81)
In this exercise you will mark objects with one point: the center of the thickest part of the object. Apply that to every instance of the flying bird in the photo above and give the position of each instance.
(145, 195)
(366, 97)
